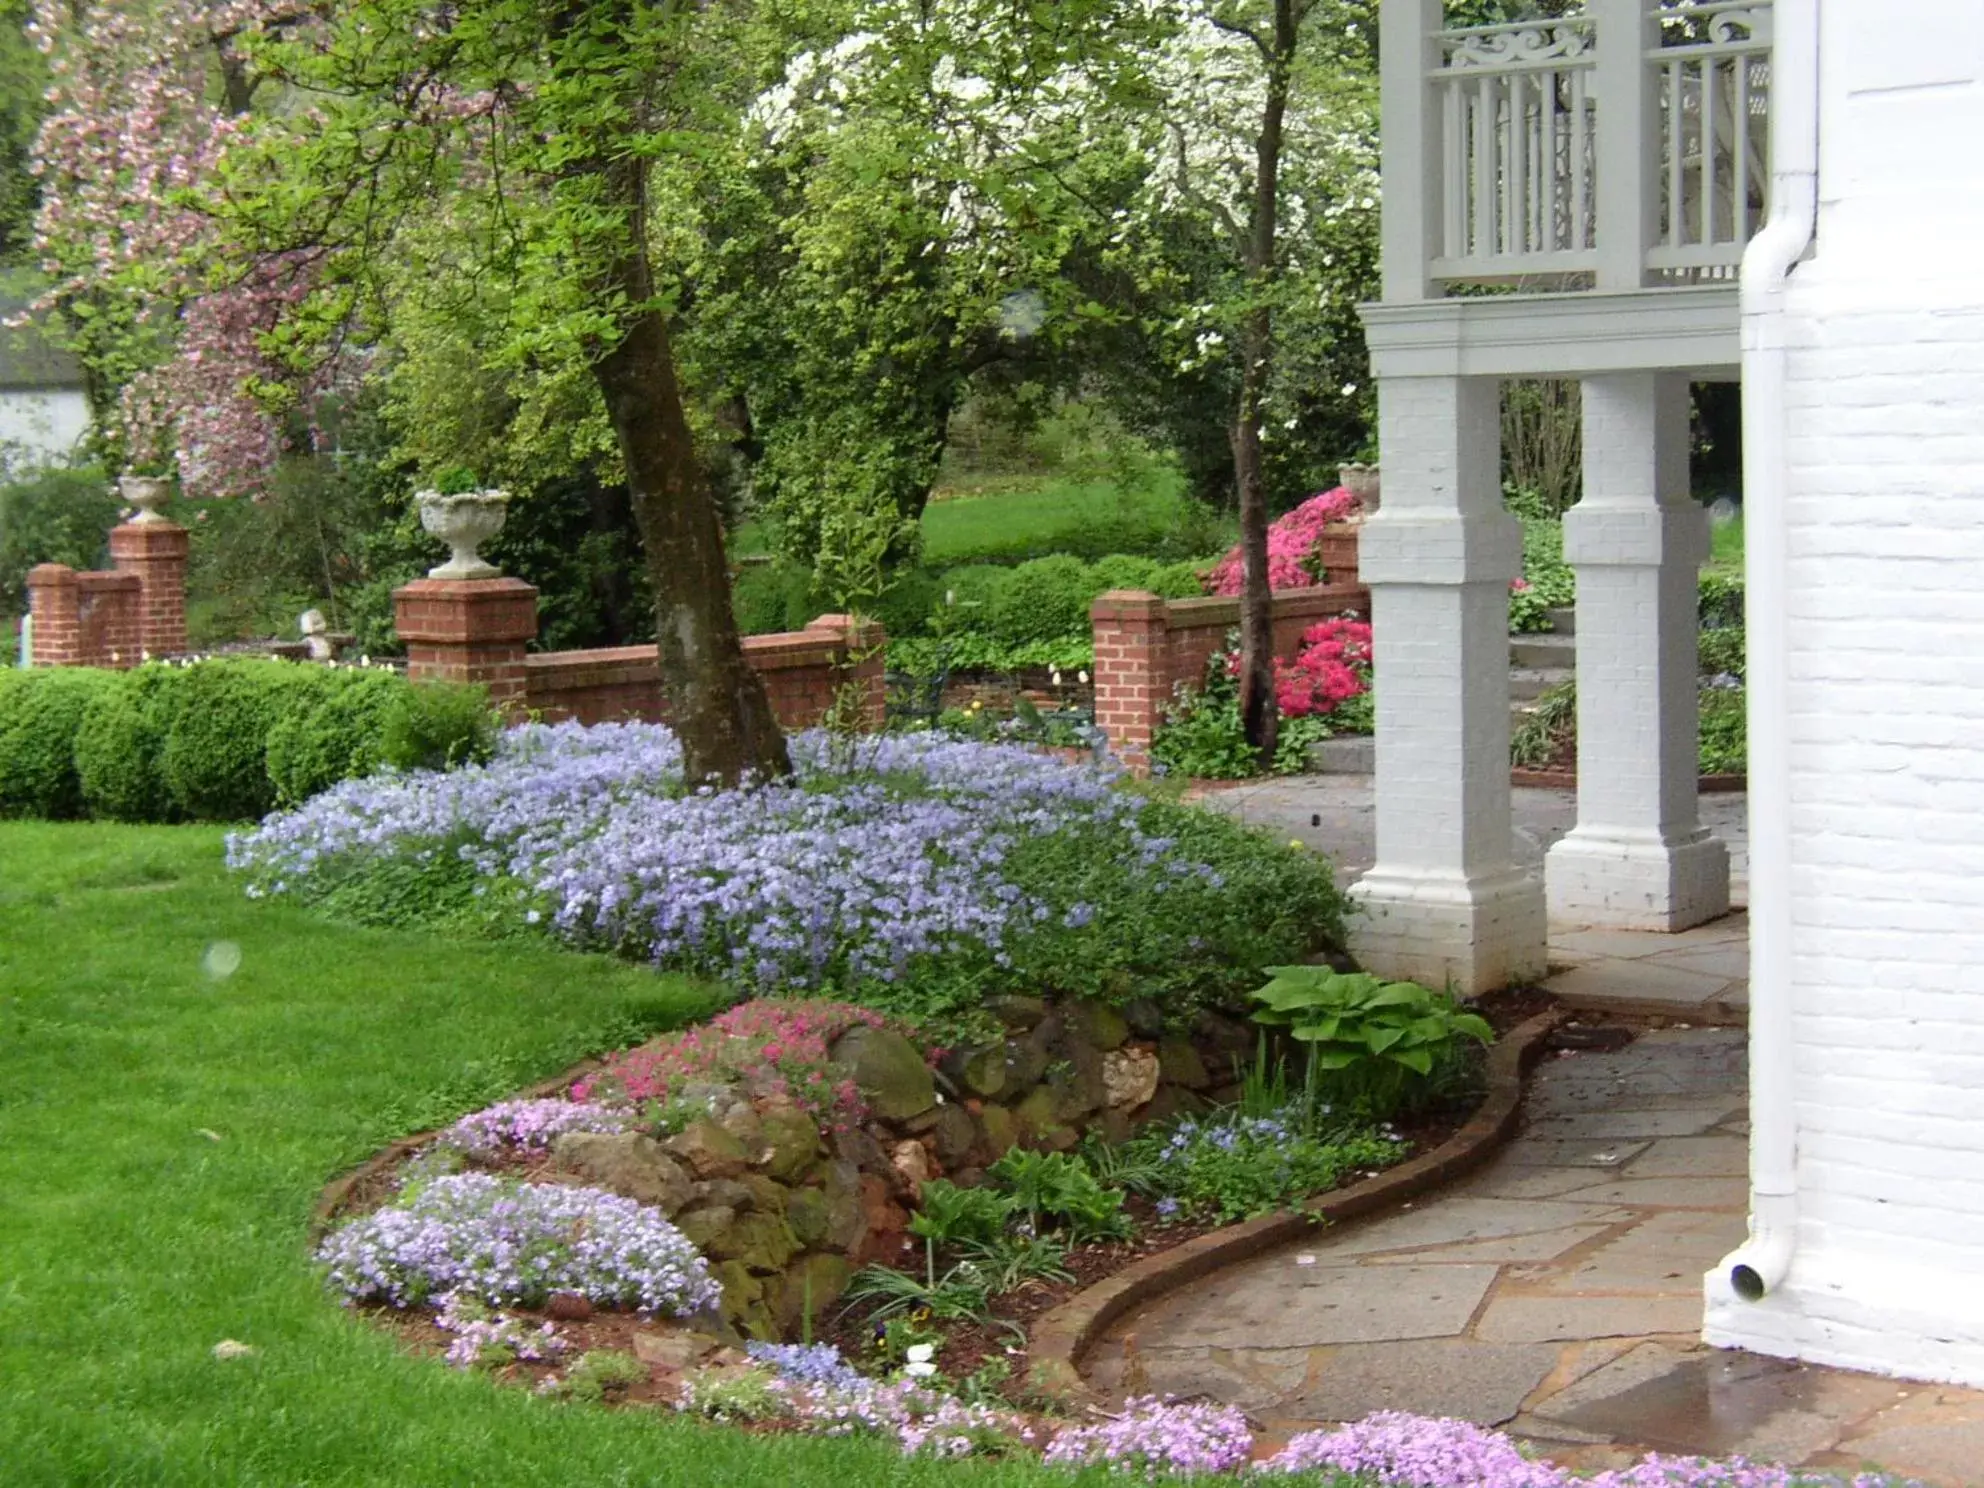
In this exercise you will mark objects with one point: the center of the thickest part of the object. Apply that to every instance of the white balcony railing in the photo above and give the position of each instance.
(1626, 145)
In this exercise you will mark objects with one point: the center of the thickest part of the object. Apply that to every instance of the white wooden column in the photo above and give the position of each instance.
(1639, 856)
(1445, 901)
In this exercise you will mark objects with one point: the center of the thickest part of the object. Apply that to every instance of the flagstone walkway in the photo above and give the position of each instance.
(1555, 1294)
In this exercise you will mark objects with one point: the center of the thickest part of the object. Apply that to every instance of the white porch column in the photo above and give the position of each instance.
(1445, 901)
(1639, 857)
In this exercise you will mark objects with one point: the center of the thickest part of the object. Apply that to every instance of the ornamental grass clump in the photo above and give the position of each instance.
(529, 1127)
(1155, 1436)
(507, 1243)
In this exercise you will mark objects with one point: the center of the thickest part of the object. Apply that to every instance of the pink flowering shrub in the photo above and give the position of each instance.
(771, 1047)
(1333, 666)
(1292, 543)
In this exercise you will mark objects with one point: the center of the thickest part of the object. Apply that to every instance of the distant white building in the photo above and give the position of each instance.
(1676, 190)
(44, 408)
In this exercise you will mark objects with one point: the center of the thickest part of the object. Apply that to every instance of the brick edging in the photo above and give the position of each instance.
(336, 1194)
(1061, 1337)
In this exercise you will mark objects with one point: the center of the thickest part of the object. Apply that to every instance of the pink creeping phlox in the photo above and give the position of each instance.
(1155, 1436)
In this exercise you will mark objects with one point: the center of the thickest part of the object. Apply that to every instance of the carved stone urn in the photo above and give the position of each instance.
(147, 493)
(464, 522)
(1362, 482)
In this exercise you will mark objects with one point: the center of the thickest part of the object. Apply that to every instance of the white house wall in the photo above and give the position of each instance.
(42, 424)
(1885, 517)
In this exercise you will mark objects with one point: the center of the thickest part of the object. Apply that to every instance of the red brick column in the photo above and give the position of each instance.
(867, 646)
(156, 553)
(1336, 550)
(55, 604)
(468, 630)
(107, 611)
(1131, 671)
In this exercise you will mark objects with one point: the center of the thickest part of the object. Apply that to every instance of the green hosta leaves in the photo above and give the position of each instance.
(1352, 1019)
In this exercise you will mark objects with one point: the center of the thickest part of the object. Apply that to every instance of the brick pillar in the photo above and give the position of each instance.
(468, 630)
(1336, 550)
(55, 602)
(156, 553)
(1131, 683)
(869, 643)
(107, 619)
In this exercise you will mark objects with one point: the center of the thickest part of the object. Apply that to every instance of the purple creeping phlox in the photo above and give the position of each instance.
(483, 1337)
(1155, 1436)
(838, 874)
(529, 1126)
(501, 1242)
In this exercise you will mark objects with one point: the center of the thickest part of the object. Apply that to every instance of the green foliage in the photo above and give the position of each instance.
(119, 745)
(1200, 943)
(963, 1294)
(1723, 652)
(597, 1373)
(949, 1215)
(1043, 599)
(1235, 1164)
(41, 712)
(1548, 731)
(1372, 1045)
(333, 734)
(1202, 737)
(215, 757)
(1721, 599)
(437, 726)
(1549, 582)
(57, 514)
(1089, 520)
(1724, 731)
(1058, 1192)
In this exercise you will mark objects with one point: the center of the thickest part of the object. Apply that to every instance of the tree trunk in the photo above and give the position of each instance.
(716, 702)
(1258, 713)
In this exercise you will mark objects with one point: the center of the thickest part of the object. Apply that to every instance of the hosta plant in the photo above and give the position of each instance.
(1370, 1042)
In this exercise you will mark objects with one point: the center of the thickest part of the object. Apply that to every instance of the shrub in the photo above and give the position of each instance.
(1720, 601)
(1122, 571)
(215, 759)
(40, 714)
(1042, 600)
(1184, 580)
(1292, 543)
(437, 726)
(1724, 731)
(119, 745)
(333, 732)
(770, 597)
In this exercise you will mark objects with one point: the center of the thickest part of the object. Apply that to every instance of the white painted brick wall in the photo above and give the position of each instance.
(1886, 519)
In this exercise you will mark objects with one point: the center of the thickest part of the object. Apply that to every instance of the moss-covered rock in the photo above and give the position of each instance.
(791, 1142)
(630, 1163)
(708, 1151)
(809, 1214)
(708, 1228)
(743, 1305)
(888, 1071)
(810, 1287)
(1180, 1064)
(1094, 1024)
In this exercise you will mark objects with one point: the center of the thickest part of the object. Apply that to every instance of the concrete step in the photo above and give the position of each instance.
(1564, 620)
(1347, 754)
(1529, 683)
(1543, 651)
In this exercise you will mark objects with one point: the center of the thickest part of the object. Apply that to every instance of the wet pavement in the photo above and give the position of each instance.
(1555, 1294)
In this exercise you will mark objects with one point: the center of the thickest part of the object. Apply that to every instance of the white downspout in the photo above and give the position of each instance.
(1759, 1266)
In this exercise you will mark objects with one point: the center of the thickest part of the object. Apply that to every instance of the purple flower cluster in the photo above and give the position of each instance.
(1391, 1449)
(529, 1126)
(483, 1337)
(1155, 1436)
(507, 1242)
(807, 1364)
(848, 871)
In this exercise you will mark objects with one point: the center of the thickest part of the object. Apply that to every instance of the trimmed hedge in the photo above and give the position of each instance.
(223, 740)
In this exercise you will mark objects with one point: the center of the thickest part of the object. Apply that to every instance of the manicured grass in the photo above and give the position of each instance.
(164, 1131)
(1726, 545)
(1018, 517)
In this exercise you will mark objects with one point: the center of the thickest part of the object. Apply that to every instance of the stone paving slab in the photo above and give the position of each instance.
(1542, 1319)
(1691, 1120)
(1457, 1220)
(1484, 1383)
(1263, 1305)
(1546, 1245)
(1695, 1157)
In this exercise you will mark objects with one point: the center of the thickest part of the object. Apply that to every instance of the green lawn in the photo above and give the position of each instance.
(1024, 516)
(164, 1132)
(1726, 546)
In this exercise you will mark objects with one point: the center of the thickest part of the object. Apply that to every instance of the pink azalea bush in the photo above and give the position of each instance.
(773, 1048)
(1292, 543)
(1333, 666)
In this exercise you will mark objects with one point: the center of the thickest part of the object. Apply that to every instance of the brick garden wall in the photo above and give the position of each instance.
(1147, 647)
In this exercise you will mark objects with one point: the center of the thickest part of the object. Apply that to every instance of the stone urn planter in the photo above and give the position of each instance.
(1362, 482)
(147, 493)
(464, 522)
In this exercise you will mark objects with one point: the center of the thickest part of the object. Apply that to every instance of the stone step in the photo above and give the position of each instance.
(1543, 651)
(1564, 620)
(1526, 684)
(1348, 754)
